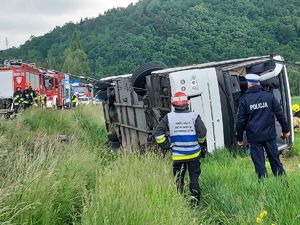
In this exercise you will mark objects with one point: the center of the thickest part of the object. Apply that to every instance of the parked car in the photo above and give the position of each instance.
(82, 100)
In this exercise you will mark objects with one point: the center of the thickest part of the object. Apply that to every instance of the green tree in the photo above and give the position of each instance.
(294, 79)
(75, 59)
(175, 32)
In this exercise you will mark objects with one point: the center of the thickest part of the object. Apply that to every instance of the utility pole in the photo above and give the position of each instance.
(6, 43)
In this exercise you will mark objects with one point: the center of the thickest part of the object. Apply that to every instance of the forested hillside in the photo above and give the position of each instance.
(176, 32)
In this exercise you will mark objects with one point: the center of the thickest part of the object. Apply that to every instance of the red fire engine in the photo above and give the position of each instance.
(54, 89)
(84, 92)
(15, 73)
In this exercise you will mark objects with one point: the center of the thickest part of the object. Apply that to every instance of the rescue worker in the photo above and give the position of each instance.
(17, 99)
(296, 117)
(256, 116)
(38, 100)
(296, 110)
(182, 131)
(28, 96)
(74, 100)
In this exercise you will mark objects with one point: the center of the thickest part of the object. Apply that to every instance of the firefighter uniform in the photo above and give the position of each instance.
(181, 131)
(17, 99)
(28, 97)
(296, 110)
(296, 118)
(256, 116)
(38, 100)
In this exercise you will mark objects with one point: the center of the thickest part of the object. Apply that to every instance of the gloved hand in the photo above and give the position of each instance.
(203, 153)
(203, 146)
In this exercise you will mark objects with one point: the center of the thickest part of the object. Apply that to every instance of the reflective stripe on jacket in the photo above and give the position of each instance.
(183, 136)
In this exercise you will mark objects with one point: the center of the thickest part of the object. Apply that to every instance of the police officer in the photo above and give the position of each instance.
(256, 116)
(182, 131)
(28, 96)
(17, 99)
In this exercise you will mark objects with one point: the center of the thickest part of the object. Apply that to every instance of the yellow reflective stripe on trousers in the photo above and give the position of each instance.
(161, 140)
(183, 157)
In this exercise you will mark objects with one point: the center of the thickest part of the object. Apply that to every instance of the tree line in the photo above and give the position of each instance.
(175, 32)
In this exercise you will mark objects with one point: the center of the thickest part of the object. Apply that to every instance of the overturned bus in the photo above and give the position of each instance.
(134, 104)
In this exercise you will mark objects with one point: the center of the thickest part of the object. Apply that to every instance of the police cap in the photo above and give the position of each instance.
(252, 78)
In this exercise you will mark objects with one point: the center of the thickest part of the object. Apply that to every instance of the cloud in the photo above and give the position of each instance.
(19, 19)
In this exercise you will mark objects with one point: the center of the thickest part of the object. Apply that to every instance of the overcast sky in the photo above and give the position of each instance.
(19, 19)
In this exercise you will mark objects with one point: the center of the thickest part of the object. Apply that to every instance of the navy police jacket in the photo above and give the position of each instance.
(256, 116)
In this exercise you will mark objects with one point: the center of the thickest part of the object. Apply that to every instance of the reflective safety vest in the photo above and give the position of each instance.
(183, 136)
(74, 99)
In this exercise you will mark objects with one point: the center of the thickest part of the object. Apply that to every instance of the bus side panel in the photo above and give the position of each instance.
(201, 85)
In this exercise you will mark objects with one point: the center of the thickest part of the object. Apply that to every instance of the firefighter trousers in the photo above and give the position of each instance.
(258, 158)
(193, 167)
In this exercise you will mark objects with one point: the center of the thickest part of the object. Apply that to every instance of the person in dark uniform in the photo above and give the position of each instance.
(17, 99)
(28, 96)
(183, 131)
(256, 115)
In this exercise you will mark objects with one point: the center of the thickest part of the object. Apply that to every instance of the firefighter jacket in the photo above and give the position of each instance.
(256, 116)
(17, 97)
(181, 131)
(28, 96)
(39, 100)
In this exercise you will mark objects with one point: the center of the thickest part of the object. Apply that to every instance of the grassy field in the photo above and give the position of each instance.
(46, 178)
(296, 100)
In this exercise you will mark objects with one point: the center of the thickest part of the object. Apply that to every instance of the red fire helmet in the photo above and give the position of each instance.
(179, 99)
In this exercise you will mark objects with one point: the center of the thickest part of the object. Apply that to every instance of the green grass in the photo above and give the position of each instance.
(46, 181)
(296, 100)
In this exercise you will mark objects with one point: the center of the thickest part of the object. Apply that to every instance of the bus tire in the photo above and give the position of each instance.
(138, 79)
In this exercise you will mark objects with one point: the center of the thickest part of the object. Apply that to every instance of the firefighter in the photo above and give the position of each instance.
(17, 99)
(182, 130)
(296, 110)
(38, 98)
(74, 100)
(28, 96)
(296, 117)
(256, 116)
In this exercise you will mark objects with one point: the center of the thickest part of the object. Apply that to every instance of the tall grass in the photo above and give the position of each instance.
(137, 190)
(46, 180)
(43, 180)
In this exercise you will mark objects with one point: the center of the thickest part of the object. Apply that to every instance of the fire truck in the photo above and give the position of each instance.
(13, 74)
(84, 92)
(55, 88)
